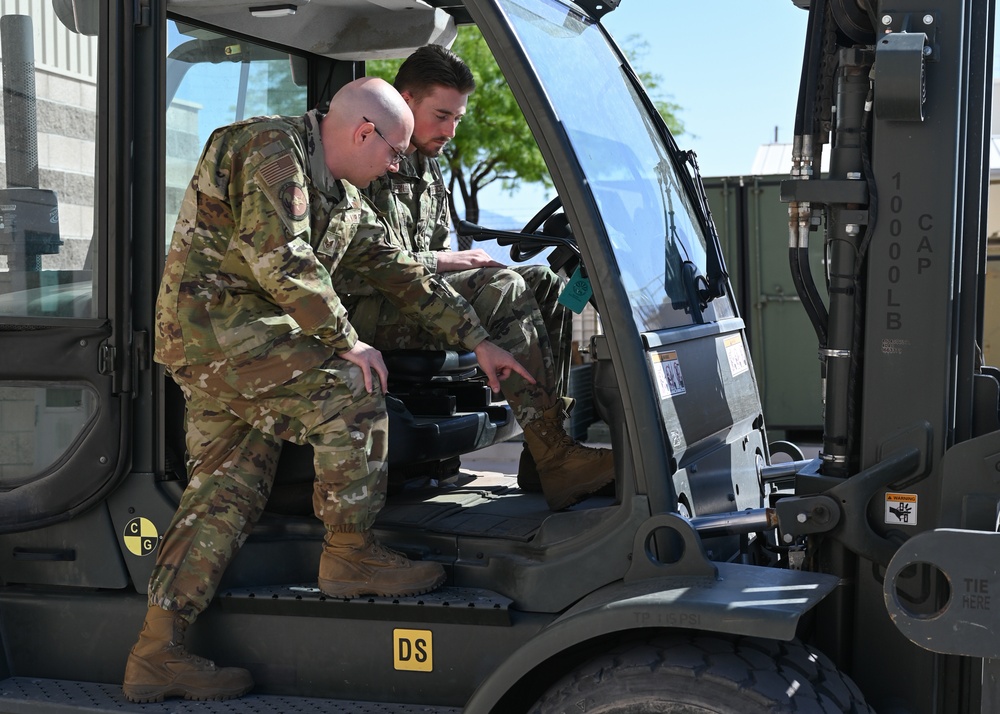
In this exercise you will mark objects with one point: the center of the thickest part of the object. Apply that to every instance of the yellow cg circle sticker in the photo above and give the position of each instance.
(140, 536)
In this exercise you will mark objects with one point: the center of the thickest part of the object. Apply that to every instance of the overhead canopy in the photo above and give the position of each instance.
(342, 29)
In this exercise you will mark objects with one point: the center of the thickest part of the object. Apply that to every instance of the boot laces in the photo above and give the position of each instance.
(196, 662)
(569, 443)
(555, 426)
(383, 554)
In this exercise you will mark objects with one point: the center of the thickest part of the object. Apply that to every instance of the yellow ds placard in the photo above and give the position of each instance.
(412, 650)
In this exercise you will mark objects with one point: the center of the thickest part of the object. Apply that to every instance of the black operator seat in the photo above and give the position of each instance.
(439, 408)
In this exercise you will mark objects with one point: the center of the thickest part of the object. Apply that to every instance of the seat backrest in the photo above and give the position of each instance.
(429, 365)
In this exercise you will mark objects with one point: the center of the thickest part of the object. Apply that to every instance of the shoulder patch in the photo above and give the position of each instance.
(293, 200)
(277, 170)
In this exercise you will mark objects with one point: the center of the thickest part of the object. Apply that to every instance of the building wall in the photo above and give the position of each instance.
(66, 94)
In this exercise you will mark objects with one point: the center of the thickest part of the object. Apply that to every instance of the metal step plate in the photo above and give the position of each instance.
(447, 604)
(25, 695)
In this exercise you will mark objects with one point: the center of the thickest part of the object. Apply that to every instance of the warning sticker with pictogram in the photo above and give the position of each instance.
(901, 509)
(140, 536)
(737, 356)
(667, 372)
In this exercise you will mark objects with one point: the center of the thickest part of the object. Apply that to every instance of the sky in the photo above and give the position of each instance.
(731, 65)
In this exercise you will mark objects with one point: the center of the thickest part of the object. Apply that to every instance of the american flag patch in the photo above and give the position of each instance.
(278, 170)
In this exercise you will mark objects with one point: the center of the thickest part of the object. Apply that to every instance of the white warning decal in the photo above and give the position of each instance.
(901, 509)
(667, 370)
(737, 356)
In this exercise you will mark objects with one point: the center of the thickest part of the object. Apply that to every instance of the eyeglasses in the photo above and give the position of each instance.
(397, 156)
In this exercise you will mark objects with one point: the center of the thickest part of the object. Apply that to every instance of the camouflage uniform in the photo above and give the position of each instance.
(248, 324)
(519, 305)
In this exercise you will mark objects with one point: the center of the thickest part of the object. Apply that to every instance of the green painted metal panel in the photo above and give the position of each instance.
(753, 228)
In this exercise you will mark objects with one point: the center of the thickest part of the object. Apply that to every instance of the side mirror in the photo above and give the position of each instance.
(81, 16)
(300, 70)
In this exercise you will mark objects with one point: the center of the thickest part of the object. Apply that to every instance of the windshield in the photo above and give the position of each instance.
(652, 225)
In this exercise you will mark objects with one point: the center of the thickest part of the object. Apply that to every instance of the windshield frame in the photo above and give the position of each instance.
(625, 343)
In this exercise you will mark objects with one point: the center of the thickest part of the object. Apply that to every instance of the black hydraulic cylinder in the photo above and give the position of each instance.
(846, 223)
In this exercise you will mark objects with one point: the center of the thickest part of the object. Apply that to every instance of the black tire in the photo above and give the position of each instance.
(695, 673)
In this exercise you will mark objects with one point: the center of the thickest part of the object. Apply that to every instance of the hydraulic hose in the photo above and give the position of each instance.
(805, 154)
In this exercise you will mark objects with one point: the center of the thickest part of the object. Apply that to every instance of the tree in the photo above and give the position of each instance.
(494, 142)
(636, 49)
(271, 90)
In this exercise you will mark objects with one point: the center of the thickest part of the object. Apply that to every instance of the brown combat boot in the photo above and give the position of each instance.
(158, 666)
(569, 471)
(354, 564)
(527, 472)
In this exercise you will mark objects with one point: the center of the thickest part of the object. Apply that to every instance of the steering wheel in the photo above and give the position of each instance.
(518, 254)
(543, 215)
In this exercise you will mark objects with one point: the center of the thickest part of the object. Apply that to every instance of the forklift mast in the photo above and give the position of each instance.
(901, 93)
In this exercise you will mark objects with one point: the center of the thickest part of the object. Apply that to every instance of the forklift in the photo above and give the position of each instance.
(717, 577)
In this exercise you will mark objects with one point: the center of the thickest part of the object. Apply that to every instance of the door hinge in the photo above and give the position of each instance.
(106, 359)
(140, 351)
(142, 13)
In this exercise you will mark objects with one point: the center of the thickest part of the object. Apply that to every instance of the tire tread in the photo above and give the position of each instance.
(715, 673)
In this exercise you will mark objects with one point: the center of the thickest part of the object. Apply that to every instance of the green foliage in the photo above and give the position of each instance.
(386, 69)
(636, 49)
(494, 141)
(270, 90)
